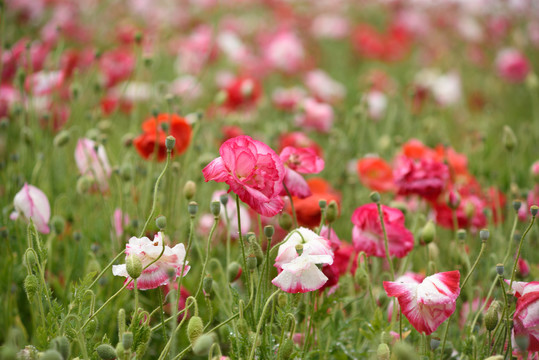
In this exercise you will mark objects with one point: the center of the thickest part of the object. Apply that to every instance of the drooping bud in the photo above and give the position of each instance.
(509, 138)
(285, 221)
(428, 233)
(134, 266)
(189, 189)
(195, 328)
(31, 285)
(383, 352)
(58, 224)
(106, 352)
(161, 222)
(404, 351)
(207, 284)
(233, 271)
(434, 343)
(84, 183)
(62, 138)
(203, 344)
(361, 277)
(170, 142)
(375, 197)
(215, 208)
(492, 317)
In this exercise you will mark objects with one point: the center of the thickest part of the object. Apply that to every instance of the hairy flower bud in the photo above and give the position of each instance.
(106, 352)
(269, 231)
(492, 317)
(62, 138)
(127, 340)
(203, 344)
(252, 262)
(31, 285)
(287, 348)
(161, 222)
(382, 353)
(195, 328)
(509, 138)
(51, 354)
(207, 284)
(189, 189)
(233, 271)
(428, 233)
(133, 266)
(332, 211)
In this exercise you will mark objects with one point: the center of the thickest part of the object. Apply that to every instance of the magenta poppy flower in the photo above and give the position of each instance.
(429, 303)
(92, 161)
(158, 273)
(298, 272)
(526, 317)
(299, 161)
(316, 116)
(368, 235)
(425, 177)
(252, 170)
(32, 203)
(512, 65)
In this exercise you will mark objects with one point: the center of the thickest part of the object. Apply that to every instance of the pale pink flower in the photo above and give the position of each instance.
(299, 161)
(299, 273)
(187, 87)
(158, 273)
(120, 220)
(44, 82)
(284, 52)
(376, 104)
(330, 26)
(9, 95)
(427, 304)
(512, 65)
(196, 50)
(32, 203)
(323, 87)
(252, 170)
(368, 236)
(288, 99)
(315, 116)
(92, 161)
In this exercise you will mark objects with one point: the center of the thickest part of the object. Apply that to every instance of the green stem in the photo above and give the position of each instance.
(294, 215)
(386, 241)
(208, 243)
(241, 237)
(259, 326)
(513, 273)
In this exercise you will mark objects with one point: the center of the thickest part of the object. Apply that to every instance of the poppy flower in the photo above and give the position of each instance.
(154, 136)
(368, 235)
(92, 161)
(375, 173)
(299, 161)
(427, 304)
(32, 203)
(242, 92)
(526, 316)
(158, 273)
(252, 170)
(308, 209)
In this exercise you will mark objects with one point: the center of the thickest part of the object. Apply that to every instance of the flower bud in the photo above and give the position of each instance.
(189, 189)
(332, 211)
(509, 138)
(203, 344)
(533, 210)
(170, 142)
(120, 350)
(31, 285)
(106, 352)
(126, 171)
(62, 138)
(121, 321)
(434, 343)
(453, 199)
(161, 222)
(484, 234)
(207, 284)
(134, 266)
(287, 349)
(58, 224)
(361, 277)
(195, 328)
(428, 233)
(404, 351)
(375, 197)
(269, 230)
(233, 271)
(285, 221)
(51, 354)
(492, 317)
(243, 327)
(127, 340)
(215, 208)
(383, 352)
(499, 269)
(252, 262)
(256, 249)
(516, 205)
(192, 208)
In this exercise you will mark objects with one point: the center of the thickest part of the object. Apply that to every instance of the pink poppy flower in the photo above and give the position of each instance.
(252, 170)
(92, 161)
(284, 52)
(32, 203)
(158, 273)
(426, 177)
(408, 277)
(116, 66)
(526, 315)
(427, 304)
(316, 116)
(512, 65)
(9, 95)
(323, 87)
(368, 235)
(299, 273)
(119, 220)
(288, 99)
(299, 161)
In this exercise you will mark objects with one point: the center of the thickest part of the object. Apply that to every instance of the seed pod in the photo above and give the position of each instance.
(192, 208)
(170, 142)
(269, 230)
(215, 208)
(106, 352)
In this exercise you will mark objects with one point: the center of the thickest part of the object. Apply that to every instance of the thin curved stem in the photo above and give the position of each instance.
(259, 326)
(513, 273)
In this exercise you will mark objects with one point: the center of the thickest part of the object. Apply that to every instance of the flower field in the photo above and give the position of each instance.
(269, 179)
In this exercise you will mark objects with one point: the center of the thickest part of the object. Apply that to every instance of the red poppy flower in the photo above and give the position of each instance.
(376, 174)
(308, 209)
(154, 132)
